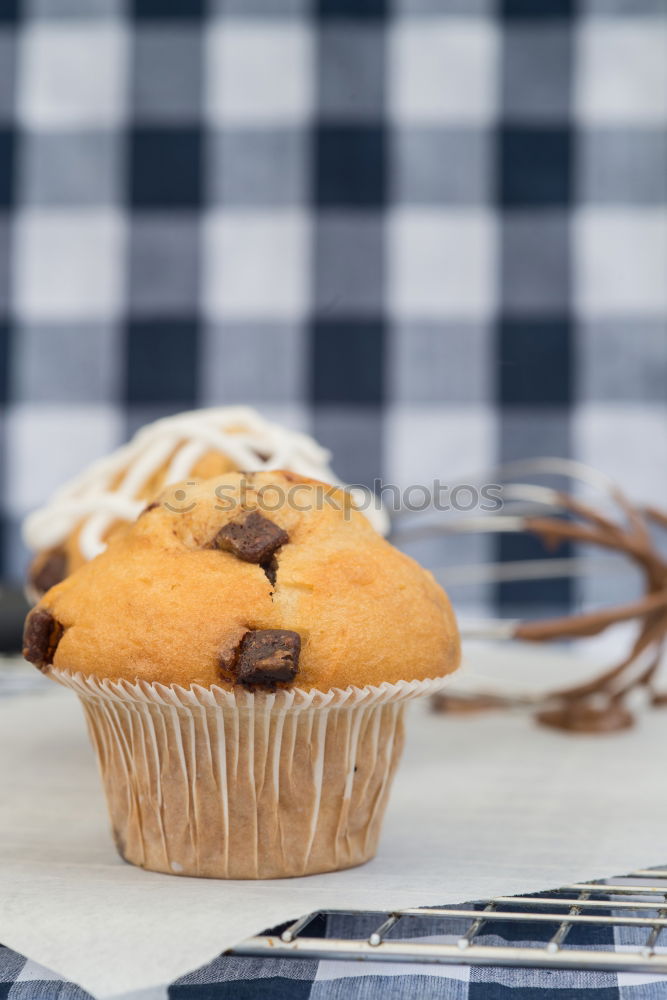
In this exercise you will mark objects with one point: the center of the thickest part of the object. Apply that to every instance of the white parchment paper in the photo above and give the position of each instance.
(482, 805)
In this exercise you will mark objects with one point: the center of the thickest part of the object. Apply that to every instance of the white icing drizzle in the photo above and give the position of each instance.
(246, 438)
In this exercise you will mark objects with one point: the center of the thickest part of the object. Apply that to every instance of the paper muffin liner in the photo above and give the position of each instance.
(236, 784)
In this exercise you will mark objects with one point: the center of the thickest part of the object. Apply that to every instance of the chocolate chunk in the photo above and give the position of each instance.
(41, 635)
(254, 539)
(46, 571)
(267, 656)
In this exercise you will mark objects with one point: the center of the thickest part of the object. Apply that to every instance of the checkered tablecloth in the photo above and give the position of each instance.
(433, 232)
(240, 978)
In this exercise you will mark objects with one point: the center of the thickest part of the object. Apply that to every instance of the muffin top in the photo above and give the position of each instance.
(265, 579)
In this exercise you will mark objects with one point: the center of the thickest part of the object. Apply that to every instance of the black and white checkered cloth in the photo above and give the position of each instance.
(238, 978)
(432, 232)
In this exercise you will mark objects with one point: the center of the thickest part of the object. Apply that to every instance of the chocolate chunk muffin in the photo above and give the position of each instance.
(244, 653)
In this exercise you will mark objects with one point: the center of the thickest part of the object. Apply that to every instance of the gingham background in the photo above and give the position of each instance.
(432, 232)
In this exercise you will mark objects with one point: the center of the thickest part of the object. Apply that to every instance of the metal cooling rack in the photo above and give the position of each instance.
(638, 903)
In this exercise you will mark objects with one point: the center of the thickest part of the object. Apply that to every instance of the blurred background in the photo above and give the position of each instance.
(432, 233)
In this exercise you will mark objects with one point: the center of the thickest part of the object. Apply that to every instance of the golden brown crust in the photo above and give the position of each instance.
(162, 606)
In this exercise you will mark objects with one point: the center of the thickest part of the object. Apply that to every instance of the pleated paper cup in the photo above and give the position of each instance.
(245, 785)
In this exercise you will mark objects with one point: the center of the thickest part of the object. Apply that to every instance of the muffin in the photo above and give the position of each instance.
(85, 514)
(244, 653)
